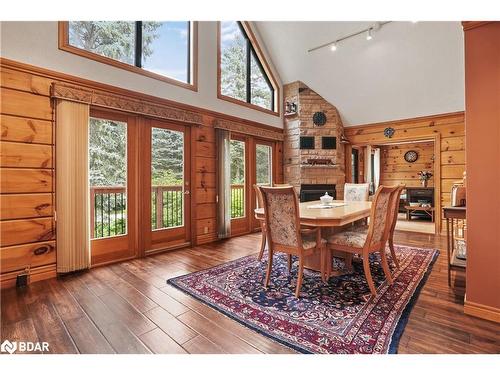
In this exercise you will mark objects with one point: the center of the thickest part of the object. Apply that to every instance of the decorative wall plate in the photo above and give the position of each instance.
(411, 156)
(389, 132)
(319, 119)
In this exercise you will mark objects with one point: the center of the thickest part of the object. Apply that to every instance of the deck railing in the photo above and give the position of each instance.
(167, 207)
(237, 201)
(108, 208)
(108, 211)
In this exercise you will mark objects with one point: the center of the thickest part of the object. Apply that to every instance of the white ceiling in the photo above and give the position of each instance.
(406, 70)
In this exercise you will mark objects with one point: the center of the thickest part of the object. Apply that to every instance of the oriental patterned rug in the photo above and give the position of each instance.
(339, 317)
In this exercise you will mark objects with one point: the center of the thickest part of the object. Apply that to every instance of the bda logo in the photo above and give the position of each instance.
(8, 346)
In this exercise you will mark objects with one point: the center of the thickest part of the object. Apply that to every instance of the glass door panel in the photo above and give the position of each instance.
(263, 171)
(167, 178)
(108, 177)
(111, 171)
(237, 152)
(263, 165)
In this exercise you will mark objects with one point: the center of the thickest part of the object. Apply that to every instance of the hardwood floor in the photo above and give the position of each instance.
(128, 308)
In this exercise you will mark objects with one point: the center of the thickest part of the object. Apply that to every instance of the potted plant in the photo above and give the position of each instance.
(424, 176)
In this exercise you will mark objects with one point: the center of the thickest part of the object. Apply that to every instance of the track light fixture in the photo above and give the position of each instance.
(369, 36)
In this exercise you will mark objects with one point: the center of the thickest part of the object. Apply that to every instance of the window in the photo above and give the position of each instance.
(162, 50)
(244, 75)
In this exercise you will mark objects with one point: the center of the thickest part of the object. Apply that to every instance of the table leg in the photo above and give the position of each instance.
(314, 261)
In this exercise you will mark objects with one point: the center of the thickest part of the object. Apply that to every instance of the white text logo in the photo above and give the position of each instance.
(24, 346)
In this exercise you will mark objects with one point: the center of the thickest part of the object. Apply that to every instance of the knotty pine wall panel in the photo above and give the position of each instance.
(450, 127)
(395, 170)
(205, 182)
(27, 183)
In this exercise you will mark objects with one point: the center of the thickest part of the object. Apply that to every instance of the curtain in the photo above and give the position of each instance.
(368, 163)
(376, 168)
(72, 186)
(223, 138)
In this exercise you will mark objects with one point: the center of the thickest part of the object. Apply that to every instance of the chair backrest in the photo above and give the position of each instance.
(356, 192)
(397, 197)
(282, 185)
(258, 197)
(281, 205)
(381, 215)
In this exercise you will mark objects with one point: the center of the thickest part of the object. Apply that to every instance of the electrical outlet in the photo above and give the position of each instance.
(205, 230)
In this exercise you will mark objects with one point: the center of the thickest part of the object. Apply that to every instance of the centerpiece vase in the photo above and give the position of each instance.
(424, 183)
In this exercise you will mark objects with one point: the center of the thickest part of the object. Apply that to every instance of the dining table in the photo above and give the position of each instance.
(331, 217)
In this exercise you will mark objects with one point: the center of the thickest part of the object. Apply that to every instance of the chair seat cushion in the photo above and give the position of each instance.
(360, 228)
(349, 238)
(309, 241)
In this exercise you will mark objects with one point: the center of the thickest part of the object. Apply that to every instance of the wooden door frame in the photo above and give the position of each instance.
(148, 245)
(437, 168)
(132, 191)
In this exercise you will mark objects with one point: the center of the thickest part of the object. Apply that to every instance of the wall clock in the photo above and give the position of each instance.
(411, 156)
(389, 132)
(319, 119)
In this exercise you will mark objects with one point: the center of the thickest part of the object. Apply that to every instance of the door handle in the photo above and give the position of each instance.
(186, 192)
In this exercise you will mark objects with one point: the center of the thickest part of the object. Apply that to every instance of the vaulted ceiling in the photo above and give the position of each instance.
(406, 70)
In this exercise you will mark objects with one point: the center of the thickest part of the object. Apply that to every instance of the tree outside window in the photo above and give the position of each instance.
(242, 75)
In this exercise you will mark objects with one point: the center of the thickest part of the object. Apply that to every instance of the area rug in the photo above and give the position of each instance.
(339, 317)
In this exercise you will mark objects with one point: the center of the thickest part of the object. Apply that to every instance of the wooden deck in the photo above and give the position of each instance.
(128, 308)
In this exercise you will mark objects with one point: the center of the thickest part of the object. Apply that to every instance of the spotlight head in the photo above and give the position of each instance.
(369, 34)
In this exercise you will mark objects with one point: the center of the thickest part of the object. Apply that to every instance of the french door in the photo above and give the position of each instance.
(139, 186)
(165, 186)
(113, 194)
(251, 163)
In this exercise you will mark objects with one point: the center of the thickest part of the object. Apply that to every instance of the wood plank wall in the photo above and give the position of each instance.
(27, 172)
(27, 183)
(450, 127)
(395, 170)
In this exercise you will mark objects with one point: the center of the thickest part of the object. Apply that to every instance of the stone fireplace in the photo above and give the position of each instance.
(318, 157)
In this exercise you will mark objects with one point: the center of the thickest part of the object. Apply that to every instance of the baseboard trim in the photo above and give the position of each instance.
(481, 311)
(8, 280)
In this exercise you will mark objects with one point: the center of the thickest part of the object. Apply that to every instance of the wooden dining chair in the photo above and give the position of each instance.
(361, 228)
(393, 224)
(281, 206)
(371, 240)
(356, 192)
(260, 203)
